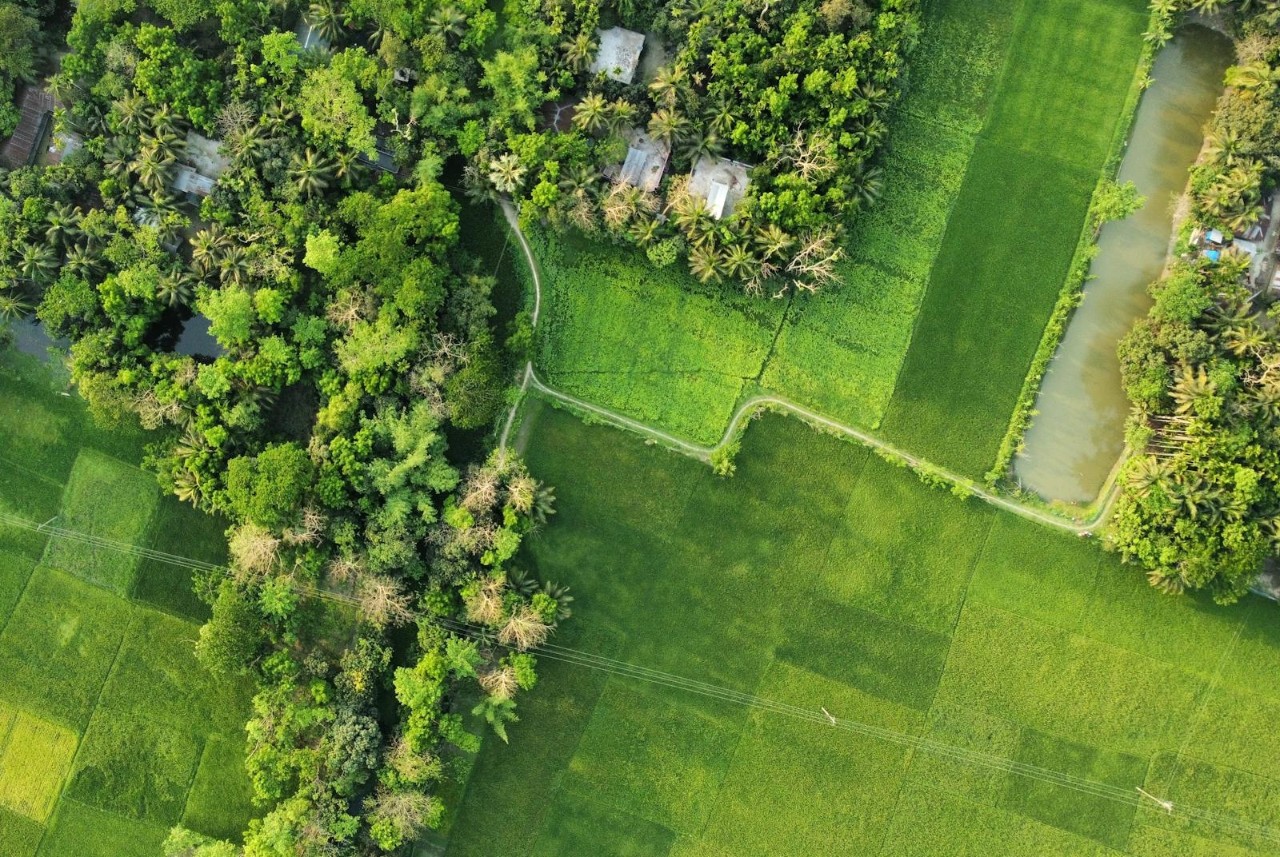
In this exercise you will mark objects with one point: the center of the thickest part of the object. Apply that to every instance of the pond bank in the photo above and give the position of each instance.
(1078, 434)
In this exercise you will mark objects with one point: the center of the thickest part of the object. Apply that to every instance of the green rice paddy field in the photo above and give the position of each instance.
(110, 731)
(823, 577)
(1008, 118)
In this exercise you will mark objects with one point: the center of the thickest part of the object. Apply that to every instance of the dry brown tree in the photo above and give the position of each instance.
(484, 606)
(524, 629)
(499, 683)
(254, 549)
(383, 600)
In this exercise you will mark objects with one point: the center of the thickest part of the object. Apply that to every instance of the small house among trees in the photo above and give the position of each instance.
(719, 181)
(619, 54)
(204, 163)
(645, 163)
(35, 110)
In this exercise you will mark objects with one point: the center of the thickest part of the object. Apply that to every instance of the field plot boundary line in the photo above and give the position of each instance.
(820, 716)
(747, 409)
(912, 742)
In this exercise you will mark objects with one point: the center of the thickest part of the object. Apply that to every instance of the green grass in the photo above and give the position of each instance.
(35, 757)
(178, 528)
(19, 836)
(579, 825)
(82, 831)
(58, 646)
(821, 577)
(135, 766)
(108, 499)
(221, 796)
(110, 731)
(1014, 228)
(653, 344)
(15, 570)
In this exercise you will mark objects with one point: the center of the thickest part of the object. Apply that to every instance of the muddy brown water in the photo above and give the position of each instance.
(1078, 433)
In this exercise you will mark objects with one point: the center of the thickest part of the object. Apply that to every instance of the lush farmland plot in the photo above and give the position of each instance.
(654, 344)
(1009, 116)
(110, 731)
(822, 577)
(1014, 227)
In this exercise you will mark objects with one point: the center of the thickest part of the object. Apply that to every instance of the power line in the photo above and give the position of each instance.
(935, 747)
(819, 717)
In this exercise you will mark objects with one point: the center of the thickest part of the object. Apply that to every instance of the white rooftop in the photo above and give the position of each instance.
(205, 155)
(721, 182)
(187, 180)
(645, 163)
(619, 54)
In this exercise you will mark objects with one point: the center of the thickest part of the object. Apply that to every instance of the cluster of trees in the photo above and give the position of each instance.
(797, 88)
(20, 44)
(1199, 502)
(354, 334)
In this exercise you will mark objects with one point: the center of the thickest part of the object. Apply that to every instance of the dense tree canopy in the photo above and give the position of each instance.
(351, 333)
(1199, 505)
(798, 89)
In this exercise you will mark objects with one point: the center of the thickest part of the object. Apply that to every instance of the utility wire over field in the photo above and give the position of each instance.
(817, 715)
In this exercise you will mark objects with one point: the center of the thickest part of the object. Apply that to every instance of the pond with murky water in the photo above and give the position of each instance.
(1078, 434)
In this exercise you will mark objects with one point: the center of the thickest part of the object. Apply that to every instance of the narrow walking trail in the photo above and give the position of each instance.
(751, 406)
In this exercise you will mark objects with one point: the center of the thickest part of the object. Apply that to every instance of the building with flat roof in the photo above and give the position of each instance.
(645, 163)
(619, 54)
(721, 182)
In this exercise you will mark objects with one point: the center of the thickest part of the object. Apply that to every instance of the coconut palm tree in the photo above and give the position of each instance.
(621, 114)
(720, 119)
(447, 22)
(578, 52)
(132, 113)
(668, 85)
(233, 266)
(37, 262)
(81, 261)
(699, 145)
(866, 184)
(876, 97)
(667, 125)
(164, 122)
(207, 247)
(188, 486)
(506, 173)
(578, 177)
(706, 263)
(1247, 338)
(12, 307)
(1226, 146)
(1191, 387)
(644, 231)
(1146, 473)
(176, 288)
(64, 224)
(325, 19)
(310, 172)
(1252, 78)
(772, 241)
(739, 262)
(591, 113)
(345, 165)
(152, 168)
